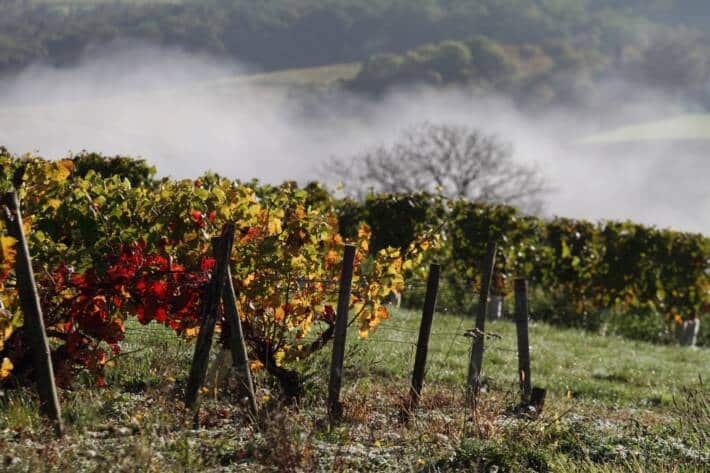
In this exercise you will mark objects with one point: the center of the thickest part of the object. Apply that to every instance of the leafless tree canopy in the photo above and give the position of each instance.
(455, 161)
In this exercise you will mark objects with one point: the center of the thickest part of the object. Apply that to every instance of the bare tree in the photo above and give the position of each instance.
(455, 161)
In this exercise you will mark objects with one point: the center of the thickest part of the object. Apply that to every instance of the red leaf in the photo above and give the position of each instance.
(159, 289)
(207, 264)
(160, 314)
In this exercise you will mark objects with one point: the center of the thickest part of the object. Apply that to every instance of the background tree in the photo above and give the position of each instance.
(451, 60)
(455, 161)
(137, 171)
(490, 59)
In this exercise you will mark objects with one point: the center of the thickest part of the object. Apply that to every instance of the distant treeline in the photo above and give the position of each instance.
(276, 34)
(557, 70)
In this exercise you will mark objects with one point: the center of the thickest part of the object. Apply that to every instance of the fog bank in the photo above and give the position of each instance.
(179, 112)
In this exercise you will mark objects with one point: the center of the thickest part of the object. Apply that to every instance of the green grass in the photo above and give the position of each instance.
(75, 3)
(568, 362)
(612, 405)
(681, 128)
(320, 76)
(282, 82)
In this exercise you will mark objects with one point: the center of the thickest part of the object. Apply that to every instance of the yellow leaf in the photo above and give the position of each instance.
(332, 220)
(279, 314)
(332, 257)
(299, 213)
(279, 356)
(364, 232)
(7, 247)
(248, 280)
(192, 332)
(54, 203)
(63, 169)
(298, 260)
(5, 330)
(6, 368)
(274, 226)
(7, 254)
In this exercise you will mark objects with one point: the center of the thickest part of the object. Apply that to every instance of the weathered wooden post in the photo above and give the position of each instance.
(36, 337)
(474, 367)
(688, 332)
(521, 325)
(335, 408)
(237, 344)
(432, 288)
(208, 317)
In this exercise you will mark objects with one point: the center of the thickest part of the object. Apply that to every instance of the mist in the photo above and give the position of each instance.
(187, 114)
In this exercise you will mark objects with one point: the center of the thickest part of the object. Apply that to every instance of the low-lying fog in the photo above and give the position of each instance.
(171, 109)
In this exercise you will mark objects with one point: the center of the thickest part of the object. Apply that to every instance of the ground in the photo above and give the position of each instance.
(612, 405)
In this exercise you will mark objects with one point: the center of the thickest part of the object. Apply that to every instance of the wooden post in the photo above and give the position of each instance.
(237, 344)
(474, 366)
(36, 337)
(432, 288)
(208, 318)
(521, 325)
(335, 408)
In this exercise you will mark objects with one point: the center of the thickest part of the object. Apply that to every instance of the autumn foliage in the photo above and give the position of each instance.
(105, 251)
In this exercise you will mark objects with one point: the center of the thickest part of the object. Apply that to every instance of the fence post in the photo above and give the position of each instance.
(335, 408)
(432, 288)
(209, 315)
(236, 342)
(521, 325)
(36, 337)
(474, 366)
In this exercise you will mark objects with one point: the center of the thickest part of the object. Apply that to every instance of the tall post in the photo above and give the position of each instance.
(521, 325)
(335, 408)
(237, 344)
(432, 289)
(209, 315)
(36, 336)
(474, 366)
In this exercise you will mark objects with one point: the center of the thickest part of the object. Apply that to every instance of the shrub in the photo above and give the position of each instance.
(106, 250)
(584, 269)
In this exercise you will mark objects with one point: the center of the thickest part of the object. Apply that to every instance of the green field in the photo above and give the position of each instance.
(72, 3)
(323, 76)
(681, 128)
(612, 405)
